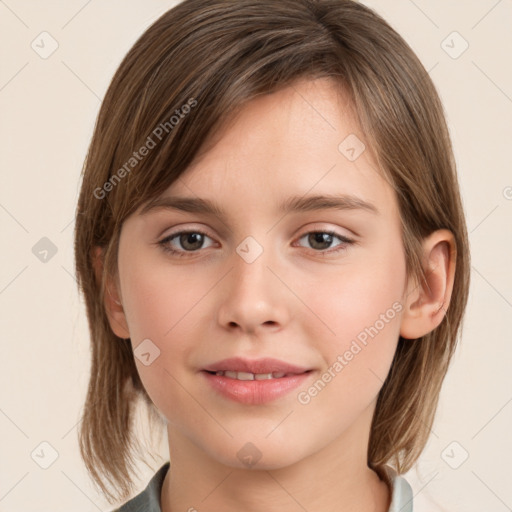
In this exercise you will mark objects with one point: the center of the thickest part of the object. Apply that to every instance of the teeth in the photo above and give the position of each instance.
(250, 376)
(241, 375)
(262, 376)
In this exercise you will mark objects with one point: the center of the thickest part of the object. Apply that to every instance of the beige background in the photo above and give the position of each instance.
(48, 108)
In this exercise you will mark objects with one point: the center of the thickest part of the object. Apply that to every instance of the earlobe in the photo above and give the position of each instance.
(113, 304)
(426, 303)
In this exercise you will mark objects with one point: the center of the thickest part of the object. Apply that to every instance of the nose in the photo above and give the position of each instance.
(253, 298)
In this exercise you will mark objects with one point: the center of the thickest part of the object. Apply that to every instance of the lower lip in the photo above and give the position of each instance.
(255, 392)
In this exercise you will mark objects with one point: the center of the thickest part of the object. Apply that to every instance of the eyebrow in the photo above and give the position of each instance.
(292, 204)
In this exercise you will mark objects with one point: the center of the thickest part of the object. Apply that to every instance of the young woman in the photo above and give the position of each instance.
(273, 253)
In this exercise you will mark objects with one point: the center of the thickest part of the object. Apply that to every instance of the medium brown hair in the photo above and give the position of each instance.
(220, 54)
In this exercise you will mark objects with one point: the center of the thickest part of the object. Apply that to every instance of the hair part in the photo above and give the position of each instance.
(222, 54)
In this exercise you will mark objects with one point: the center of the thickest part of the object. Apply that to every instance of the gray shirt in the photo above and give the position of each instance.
(149, 499)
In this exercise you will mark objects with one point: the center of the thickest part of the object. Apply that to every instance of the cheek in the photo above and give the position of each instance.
(359, 307)
(159, 298)
(163, 304)
(160, 305)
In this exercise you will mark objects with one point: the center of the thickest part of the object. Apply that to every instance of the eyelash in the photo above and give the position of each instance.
(164, 244)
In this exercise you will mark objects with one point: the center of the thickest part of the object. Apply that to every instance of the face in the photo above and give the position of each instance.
(218, 302)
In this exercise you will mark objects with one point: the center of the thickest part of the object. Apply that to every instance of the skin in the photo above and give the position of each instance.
(297, 301)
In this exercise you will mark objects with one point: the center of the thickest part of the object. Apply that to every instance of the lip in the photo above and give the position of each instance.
(265, 365)
(255, 392)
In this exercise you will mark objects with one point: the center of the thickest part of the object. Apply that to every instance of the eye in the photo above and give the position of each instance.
(190, 241)
(320, 239)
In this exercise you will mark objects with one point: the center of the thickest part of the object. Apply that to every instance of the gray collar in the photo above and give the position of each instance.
(149, 499)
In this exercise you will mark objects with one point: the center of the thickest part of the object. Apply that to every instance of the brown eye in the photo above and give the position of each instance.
(184, 241)
(191, 241)
(321, 241)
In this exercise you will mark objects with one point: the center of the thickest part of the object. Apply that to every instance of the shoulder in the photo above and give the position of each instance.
(149, 499)
(401, 492)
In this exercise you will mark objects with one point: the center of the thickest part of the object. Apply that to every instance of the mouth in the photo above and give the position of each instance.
(265, 366)
(253, 376)
(254, 382)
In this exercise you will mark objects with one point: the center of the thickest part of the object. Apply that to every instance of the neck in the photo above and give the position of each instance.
(333, 479)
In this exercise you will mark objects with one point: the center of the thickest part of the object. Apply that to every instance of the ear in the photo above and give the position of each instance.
(113, 303)
(426, 303)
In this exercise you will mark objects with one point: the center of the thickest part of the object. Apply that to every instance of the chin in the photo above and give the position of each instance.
(254, 454)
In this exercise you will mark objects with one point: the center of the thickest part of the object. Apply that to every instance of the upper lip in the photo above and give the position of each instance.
(265, 365)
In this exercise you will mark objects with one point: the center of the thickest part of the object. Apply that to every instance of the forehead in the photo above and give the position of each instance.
(303, 139)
